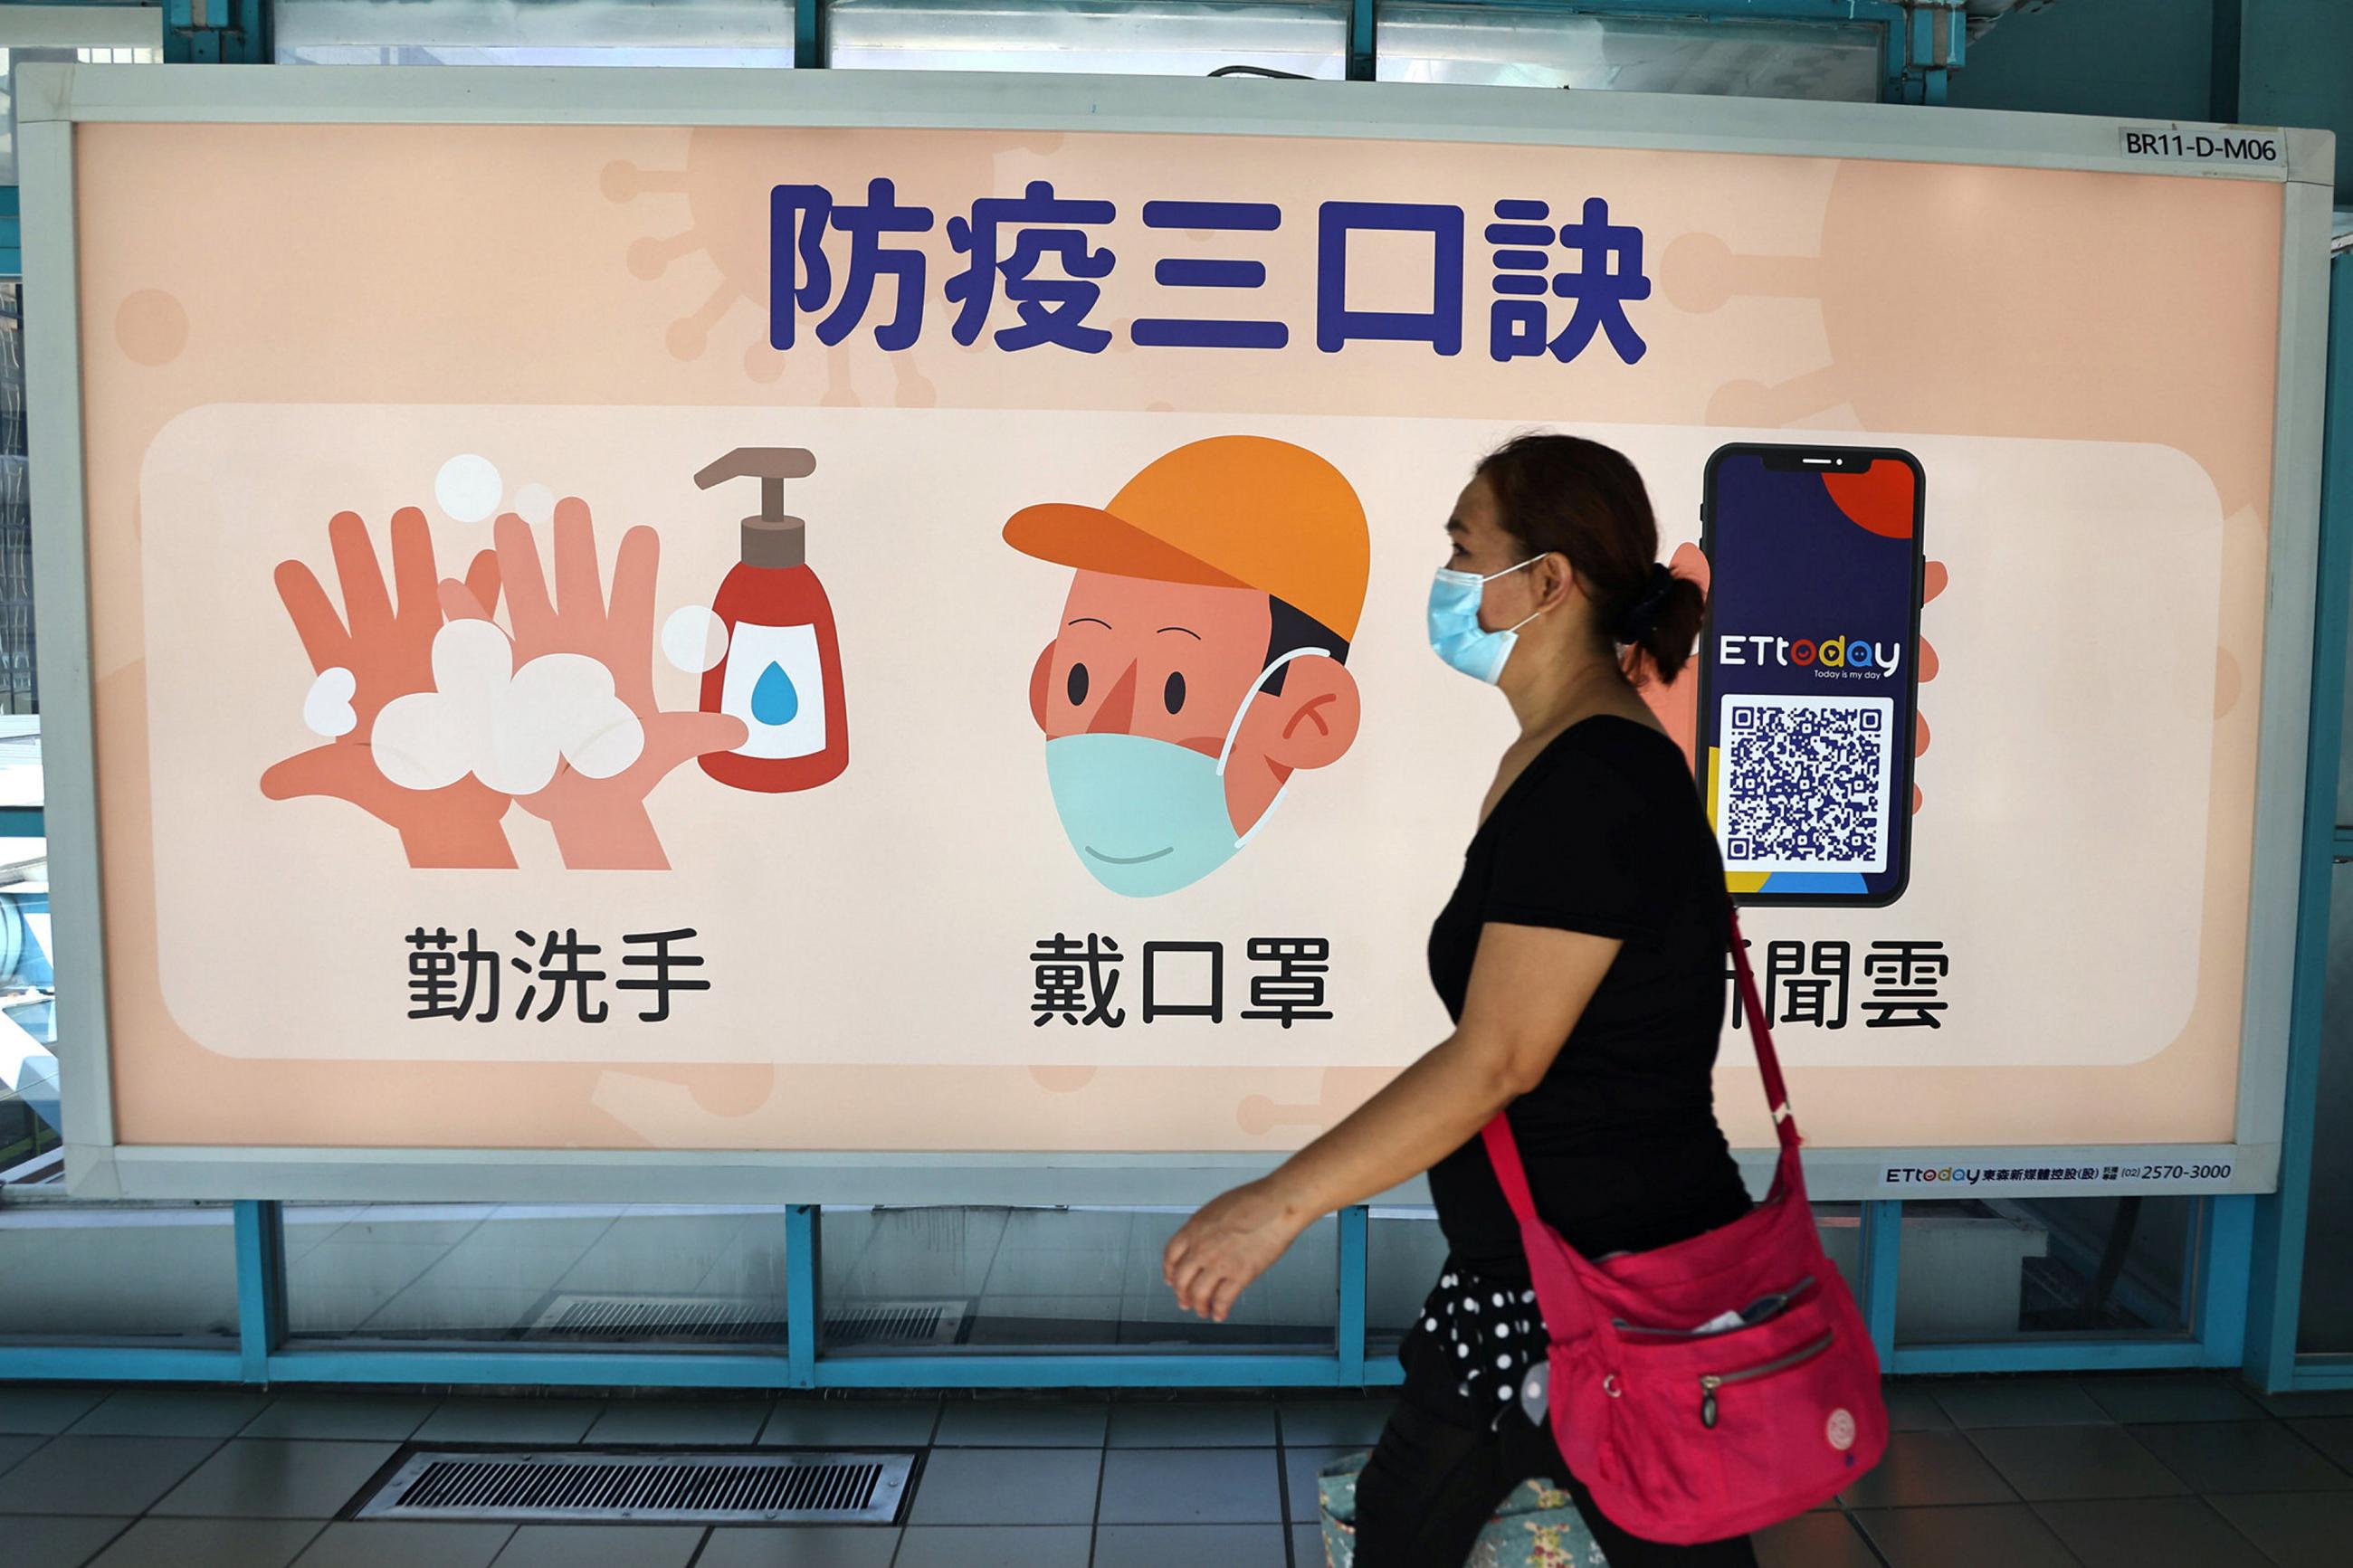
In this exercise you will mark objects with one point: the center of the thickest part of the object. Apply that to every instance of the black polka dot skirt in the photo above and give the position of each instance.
(1473, 1343)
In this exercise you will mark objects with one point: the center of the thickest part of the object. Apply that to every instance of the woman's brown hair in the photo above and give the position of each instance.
(1581, 499)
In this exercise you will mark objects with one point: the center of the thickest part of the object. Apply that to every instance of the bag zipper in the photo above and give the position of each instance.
(1782, 1301)
(1710, 1381)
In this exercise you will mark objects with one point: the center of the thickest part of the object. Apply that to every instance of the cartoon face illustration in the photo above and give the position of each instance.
(1200, 661)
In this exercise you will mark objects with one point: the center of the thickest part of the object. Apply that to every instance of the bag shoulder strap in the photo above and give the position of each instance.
(1503, 1150)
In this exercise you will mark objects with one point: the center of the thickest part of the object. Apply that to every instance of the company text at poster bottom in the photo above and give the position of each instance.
(1934, 1180)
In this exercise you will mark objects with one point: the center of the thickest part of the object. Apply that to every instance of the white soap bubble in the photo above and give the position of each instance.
(431, 740)
(693, 639)
(327, 709)
(611, 749)
(535, 504)
(467, 487)
(510, 728)
(559, 708)
(418, 745)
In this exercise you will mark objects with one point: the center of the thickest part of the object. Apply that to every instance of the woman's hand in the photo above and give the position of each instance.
(1230, 1241)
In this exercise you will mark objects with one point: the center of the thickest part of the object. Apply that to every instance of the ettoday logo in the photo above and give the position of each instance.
(1811, 653)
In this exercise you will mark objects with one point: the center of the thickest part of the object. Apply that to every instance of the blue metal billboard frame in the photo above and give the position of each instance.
(263, 1355)
(2283, 1221)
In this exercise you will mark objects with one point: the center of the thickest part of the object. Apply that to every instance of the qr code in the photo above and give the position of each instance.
(1802, 784)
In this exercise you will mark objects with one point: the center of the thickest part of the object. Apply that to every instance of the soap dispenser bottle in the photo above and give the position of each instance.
(782, 671)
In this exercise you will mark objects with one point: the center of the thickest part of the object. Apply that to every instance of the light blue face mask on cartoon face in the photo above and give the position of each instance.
(1149, 816)
(1455, 634)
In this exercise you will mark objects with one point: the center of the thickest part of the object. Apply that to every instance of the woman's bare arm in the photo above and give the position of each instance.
(1529, 986)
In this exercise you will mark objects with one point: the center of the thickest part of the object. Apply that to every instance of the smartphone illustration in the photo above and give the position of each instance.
(1808, 669)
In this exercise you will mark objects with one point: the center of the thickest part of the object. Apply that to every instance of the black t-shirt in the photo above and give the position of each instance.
(1603, 832)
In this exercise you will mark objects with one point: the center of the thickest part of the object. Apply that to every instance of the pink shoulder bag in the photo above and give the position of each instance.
(1714, 1386)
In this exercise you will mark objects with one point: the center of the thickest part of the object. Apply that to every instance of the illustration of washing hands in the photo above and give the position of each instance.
(435, 719)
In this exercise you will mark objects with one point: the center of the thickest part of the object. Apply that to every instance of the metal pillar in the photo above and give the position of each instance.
(260, 1288)
(1363, 53)
(2276, 1265)
(1355, 1228)
(1935, 40)
(217, 32)
(1881, 1257)
(804, 1283)
(809, 47)
(2219, 1318)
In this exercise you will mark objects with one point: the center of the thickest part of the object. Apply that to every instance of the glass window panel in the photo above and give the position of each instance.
(1404, 1250)
(29, 1122)
(541, 1276)
(2345, 736)
(534, 32)
(898, 1280)
(1138, 37)
(20, 731)
(1997, 1268)
(1841, 1228)
(90, 35)
(91, 1273)
(2327, 1324)
(1483, 45)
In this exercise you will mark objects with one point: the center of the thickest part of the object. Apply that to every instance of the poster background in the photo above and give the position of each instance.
(890, 920)
(444, 276)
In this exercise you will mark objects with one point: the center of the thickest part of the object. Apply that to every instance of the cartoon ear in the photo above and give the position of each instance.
(1041, 677)
(1315, 720)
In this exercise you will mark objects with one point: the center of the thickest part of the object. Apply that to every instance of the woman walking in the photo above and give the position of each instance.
(1582, 959)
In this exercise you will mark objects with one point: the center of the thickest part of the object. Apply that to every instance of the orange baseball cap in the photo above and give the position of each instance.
(1233, 511)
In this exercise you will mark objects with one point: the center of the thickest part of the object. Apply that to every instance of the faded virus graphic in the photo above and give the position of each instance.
(1942, 312)
(717, 207)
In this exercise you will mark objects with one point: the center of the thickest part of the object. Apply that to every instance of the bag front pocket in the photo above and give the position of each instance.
(1764, 1309)
(1711, 1384)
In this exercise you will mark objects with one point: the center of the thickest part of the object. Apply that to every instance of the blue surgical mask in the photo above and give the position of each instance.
(1149, 816)
(1455, 633)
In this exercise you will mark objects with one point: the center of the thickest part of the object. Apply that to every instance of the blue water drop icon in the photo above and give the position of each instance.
(774, 699)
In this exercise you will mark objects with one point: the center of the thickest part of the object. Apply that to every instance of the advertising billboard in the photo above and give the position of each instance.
(876, 626)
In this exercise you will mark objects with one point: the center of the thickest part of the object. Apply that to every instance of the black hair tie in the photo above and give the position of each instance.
(1643, 614)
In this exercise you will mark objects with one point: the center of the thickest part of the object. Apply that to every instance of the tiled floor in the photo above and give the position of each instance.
(2127, 1472)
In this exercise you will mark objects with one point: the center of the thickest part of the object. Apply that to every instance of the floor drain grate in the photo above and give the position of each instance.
(930, 1321)
(682, 1488)
(934, 1321)
(608, 1316)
